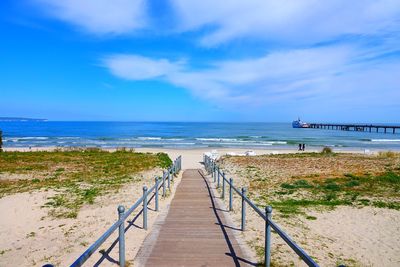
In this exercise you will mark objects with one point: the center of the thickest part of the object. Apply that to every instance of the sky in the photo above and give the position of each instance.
(190, 60)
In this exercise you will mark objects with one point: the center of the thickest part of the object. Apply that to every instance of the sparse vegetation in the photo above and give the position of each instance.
(31, 234)
(331, 192)
(388, 154)
(327, 150)
(78, 176)
(300, 187)
(323, 180)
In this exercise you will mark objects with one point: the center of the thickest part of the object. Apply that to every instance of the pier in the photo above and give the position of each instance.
(356, 127)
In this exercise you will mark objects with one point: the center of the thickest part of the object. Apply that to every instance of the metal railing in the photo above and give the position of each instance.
(218, 176)
(163, 182)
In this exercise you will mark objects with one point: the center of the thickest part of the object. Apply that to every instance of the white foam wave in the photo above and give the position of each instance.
(276, 142)
(149, 138)
(32, 138)
(217, 139)
(385, 140)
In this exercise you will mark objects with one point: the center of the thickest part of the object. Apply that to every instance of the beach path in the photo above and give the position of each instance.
(193, 232)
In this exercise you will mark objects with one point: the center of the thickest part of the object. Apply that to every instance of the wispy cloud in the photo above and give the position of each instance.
(316, 51)
(135, 67)
(288, 21)
(98, 16)
(336, 72)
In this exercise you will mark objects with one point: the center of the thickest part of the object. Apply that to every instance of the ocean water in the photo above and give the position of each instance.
(185, 135)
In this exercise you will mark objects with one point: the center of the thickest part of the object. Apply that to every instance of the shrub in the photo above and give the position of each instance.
(327, 150)
(387, 154)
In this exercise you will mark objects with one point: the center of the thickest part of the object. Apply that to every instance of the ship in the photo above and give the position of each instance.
(299, 124)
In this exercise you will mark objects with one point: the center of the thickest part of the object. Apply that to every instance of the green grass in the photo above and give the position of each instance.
(294, 206)
(78, 176)
(382, 191)
(297, 184)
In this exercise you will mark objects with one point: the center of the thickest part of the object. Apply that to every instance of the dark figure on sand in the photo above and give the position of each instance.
(302, 147)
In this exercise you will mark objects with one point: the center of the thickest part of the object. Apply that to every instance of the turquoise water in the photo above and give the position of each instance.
(185, 135)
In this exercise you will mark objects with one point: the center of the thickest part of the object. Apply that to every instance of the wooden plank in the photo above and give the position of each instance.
(191, 233)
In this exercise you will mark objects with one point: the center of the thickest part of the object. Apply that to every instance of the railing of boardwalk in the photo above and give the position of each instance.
(161, 183)
(219, 178)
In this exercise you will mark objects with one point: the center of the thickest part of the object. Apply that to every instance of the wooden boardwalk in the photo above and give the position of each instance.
(193, 232)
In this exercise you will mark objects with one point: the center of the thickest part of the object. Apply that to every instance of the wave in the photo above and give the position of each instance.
(149, 138)
(276, 142)
(384, 140)
(32, 138)
(217, 139)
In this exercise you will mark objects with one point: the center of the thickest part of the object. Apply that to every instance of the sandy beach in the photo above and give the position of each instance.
(31, 235)
(296, 101)
(348, 240)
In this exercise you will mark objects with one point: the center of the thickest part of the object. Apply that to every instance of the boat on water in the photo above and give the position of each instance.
(299, 124)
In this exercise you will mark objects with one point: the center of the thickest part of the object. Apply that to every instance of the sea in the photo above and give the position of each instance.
(186, 135)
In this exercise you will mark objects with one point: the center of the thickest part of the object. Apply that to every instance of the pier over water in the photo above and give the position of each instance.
(357, 127)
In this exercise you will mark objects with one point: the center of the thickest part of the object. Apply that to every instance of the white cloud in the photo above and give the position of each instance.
(134, 67)
(99, 16)
(337, 73)
(288, 21)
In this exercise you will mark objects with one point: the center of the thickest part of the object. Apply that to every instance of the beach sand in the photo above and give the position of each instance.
(30, 237)
(366, 236)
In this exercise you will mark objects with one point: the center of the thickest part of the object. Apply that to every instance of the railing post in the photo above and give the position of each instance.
(156, 194)
(268, 213)
(243, 209)
(173, 170)
(145, 207)
(121, 237)
(230, 194)
(163, 185)
(223, 187)
(215, 176)
(169, 179)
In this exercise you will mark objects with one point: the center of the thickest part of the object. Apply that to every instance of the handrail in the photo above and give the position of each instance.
(172, 170)
(212, 167)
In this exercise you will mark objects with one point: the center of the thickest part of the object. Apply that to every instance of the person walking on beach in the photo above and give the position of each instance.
(299, 147)
(303, 147)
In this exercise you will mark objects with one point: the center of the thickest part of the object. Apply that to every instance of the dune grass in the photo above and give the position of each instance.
(78, 176)
(293, 183)
(381, 191)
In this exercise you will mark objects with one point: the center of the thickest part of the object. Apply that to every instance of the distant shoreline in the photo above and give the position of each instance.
(18, 119)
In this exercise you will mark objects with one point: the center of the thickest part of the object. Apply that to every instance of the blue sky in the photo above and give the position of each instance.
(187, 60)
